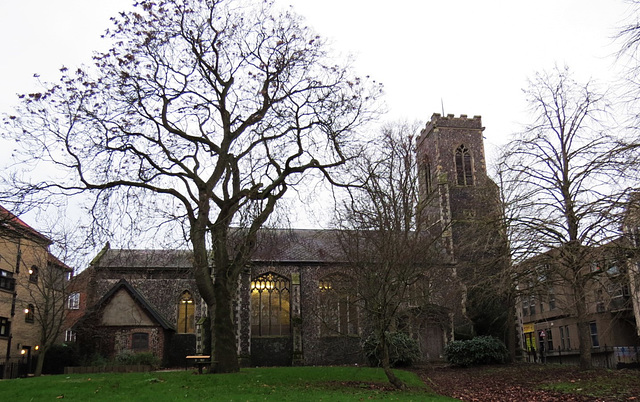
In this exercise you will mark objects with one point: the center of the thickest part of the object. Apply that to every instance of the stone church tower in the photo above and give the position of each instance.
(461, 204)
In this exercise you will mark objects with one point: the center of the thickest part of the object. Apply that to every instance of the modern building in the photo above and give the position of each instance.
(547, 303)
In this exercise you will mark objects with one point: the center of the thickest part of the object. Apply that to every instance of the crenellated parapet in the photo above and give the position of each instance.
(450, 121)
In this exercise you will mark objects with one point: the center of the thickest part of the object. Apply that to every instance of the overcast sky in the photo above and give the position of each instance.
(469, 56)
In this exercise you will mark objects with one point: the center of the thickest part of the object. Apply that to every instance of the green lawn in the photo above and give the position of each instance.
(256, 384)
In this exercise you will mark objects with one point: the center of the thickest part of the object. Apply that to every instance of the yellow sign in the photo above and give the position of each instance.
(526, 328)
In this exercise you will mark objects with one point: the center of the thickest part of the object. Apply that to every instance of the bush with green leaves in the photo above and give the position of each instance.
(95, 360)
(477, 351)
(403, 350)
(128, 358)
(60, 356)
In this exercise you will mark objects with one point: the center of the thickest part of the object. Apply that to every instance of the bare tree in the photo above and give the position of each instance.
(629, 37)
(45, 304)
(202, 116)
(564, 173)
(385, 238)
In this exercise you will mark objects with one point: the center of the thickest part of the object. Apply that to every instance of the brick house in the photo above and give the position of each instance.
(26, 269)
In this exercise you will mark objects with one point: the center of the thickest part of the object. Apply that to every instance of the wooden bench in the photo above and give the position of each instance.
(199, 361)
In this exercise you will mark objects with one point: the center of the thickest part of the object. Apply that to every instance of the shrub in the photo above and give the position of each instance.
(95, 360)
(477, 351)
(403, 350)
(60, 356)
(128, 358)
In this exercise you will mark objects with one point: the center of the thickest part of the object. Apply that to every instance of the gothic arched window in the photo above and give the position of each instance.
(337, 308)
(186, 313)
(464, 168)
(270, 305)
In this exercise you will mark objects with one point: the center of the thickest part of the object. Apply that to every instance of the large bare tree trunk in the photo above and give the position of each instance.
(226, 349)
(40, 363)
(584, 334)
(511, 329)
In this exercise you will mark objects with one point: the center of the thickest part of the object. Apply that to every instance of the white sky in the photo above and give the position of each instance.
(473, 56)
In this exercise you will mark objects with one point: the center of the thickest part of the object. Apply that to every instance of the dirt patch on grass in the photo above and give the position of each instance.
(376, 386)
(527, 382)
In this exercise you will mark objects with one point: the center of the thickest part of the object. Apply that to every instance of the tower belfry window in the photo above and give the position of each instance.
(427, 178)
(464, 170)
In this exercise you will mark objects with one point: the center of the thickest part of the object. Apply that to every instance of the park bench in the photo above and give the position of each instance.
(199, 361)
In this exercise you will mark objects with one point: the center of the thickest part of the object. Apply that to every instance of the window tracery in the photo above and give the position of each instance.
(338, 311)
(464, 168)
(270, 305)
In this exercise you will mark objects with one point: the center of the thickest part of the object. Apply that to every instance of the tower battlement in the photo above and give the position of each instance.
(450, 121)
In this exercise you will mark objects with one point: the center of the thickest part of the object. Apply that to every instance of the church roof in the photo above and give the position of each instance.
(297, 245)
(134, 258)
(274, 246)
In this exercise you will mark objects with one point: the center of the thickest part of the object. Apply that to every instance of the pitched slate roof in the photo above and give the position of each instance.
(297, 245)
(274, 246)
(132, 258)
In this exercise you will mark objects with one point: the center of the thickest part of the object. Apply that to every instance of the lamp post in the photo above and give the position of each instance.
(543, 356)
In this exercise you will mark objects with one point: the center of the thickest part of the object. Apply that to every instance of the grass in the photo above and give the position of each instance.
(256, 384)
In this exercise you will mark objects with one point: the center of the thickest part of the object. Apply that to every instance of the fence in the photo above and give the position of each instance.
(607, 357)
(138, 368)
(15, 369)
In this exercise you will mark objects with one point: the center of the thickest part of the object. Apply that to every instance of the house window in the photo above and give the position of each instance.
(140, 341)
(69, 336)
(6, 280)
(270, 306)
(594, 334)
(562, 344)
(552, 299)
(33, 274)
(337, 311)
(186, 314)
(532, 305)
(5, 326)
(29, 314)
(525, 305)
(549, 339)
(599, 302)
(73, 302)
(566, 330)
(464, 170)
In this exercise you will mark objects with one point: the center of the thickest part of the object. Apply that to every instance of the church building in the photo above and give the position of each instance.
(290, 309)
